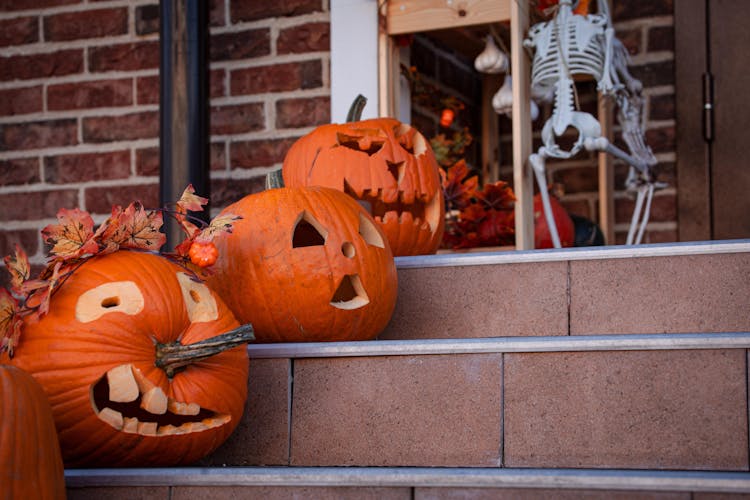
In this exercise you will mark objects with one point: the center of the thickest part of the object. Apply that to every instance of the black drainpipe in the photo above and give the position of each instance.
(183, 108)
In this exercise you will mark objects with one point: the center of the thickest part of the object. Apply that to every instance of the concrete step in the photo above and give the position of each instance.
(660, 401)
(401, 483)
(682, 287)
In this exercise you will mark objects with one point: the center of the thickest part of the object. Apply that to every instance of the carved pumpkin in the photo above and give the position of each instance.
(116, 357)
(306, 264)
(386, 165)
(30, 462)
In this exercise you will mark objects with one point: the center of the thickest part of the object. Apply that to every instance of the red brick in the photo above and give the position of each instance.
(24, 67)
(216, 83)
(218, 156)
(240, 45)
(294, 113)
(216, 13)
(28, 239)
(87, 167)
(18, 31)
(237, 119)
(311, 37)
(32, 205)
(655, 74)
(121, 128)
(147, 19)
(85, 95)
(661, 38)
(661, 139)
(251, 11)
(8, 5)
(670, 236)
(632, 9)
(147, 161)
(147, 90)
(577, 179)
(277, 78)
(99, 200)
(226, 191)
(631, 39)
(663, 209)
(86, 24)
(19, 171)
(124, 57)
(662, 107)
(41, 134)
(20, 101)
(259, 153)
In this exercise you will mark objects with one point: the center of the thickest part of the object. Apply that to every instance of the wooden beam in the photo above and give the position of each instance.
(522, 178)
(412, 16)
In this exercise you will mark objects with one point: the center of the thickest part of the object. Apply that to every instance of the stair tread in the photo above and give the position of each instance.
(609, 479)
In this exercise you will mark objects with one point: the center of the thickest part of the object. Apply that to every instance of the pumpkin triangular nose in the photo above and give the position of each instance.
(350, 293)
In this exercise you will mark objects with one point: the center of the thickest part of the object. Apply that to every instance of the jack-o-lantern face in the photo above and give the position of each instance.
(386, 165)
(111, 357)
(306, 264)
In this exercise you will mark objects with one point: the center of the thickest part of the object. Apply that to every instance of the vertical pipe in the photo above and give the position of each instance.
(183, 136)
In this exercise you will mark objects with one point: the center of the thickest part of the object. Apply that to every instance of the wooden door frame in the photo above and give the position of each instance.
(692, 165)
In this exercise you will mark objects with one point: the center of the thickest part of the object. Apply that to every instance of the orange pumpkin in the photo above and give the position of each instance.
(386, 165)
(306, 264)
(563, 223)
(115, 355)
(30, 461)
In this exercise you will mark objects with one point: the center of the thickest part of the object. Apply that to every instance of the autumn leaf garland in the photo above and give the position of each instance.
(73, 240)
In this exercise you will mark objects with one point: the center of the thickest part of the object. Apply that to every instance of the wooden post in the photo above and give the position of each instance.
(522, 178)
(606, 175)
(490, 132)
(183, 105)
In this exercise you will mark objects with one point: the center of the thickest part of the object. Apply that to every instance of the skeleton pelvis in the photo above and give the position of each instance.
(587, 126)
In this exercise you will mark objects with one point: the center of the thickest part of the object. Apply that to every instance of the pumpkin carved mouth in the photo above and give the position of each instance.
(129, 402)
(407, 208)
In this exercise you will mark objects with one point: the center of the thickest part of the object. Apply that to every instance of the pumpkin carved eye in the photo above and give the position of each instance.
(369, 232)
(115, 296)
(366, 141)
(308, 232)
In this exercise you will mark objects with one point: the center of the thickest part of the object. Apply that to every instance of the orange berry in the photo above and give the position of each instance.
(203, 254)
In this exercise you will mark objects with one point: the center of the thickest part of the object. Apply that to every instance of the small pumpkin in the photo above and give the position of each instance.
(30, 461)
(386, 165)
(122, 358)
(563, 222)
(306, 264)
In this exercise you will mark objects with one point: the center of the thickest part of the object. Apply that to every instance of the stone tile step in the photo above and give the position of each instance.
(401, 483)
(661, 401)
(681, 287)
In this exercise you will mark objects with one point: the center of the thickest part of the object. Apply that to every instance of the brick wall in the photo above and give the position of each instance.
(647, 30)
(79, 92)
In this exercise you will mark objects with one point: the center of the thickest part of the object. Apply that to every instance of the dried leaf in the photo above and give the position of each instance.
(457, 187)
(18, 267)
(189, 201)
(72, 236)
(10, 322)
(220, 224)
(497, 196)
(141, 228)
(40, 298)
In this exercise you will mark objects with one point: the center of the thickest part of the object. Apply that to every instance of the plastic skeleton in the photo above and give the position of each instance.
(569, 45)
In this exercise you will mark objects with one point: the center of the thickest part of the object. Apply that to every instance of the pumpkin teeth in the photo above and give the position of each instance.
(150, 412)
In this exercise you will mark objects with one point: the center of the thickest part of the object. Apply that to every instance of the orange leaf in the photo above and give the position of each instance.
(459, 189)
(10, 322)
(18, 267)
(72, 236)
(141, 228)
(189, 201)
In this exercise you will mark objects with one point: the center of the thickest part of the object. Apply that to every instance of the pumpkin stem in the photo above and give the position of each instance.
(170, 357)
(355, 110)
(274, 179)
